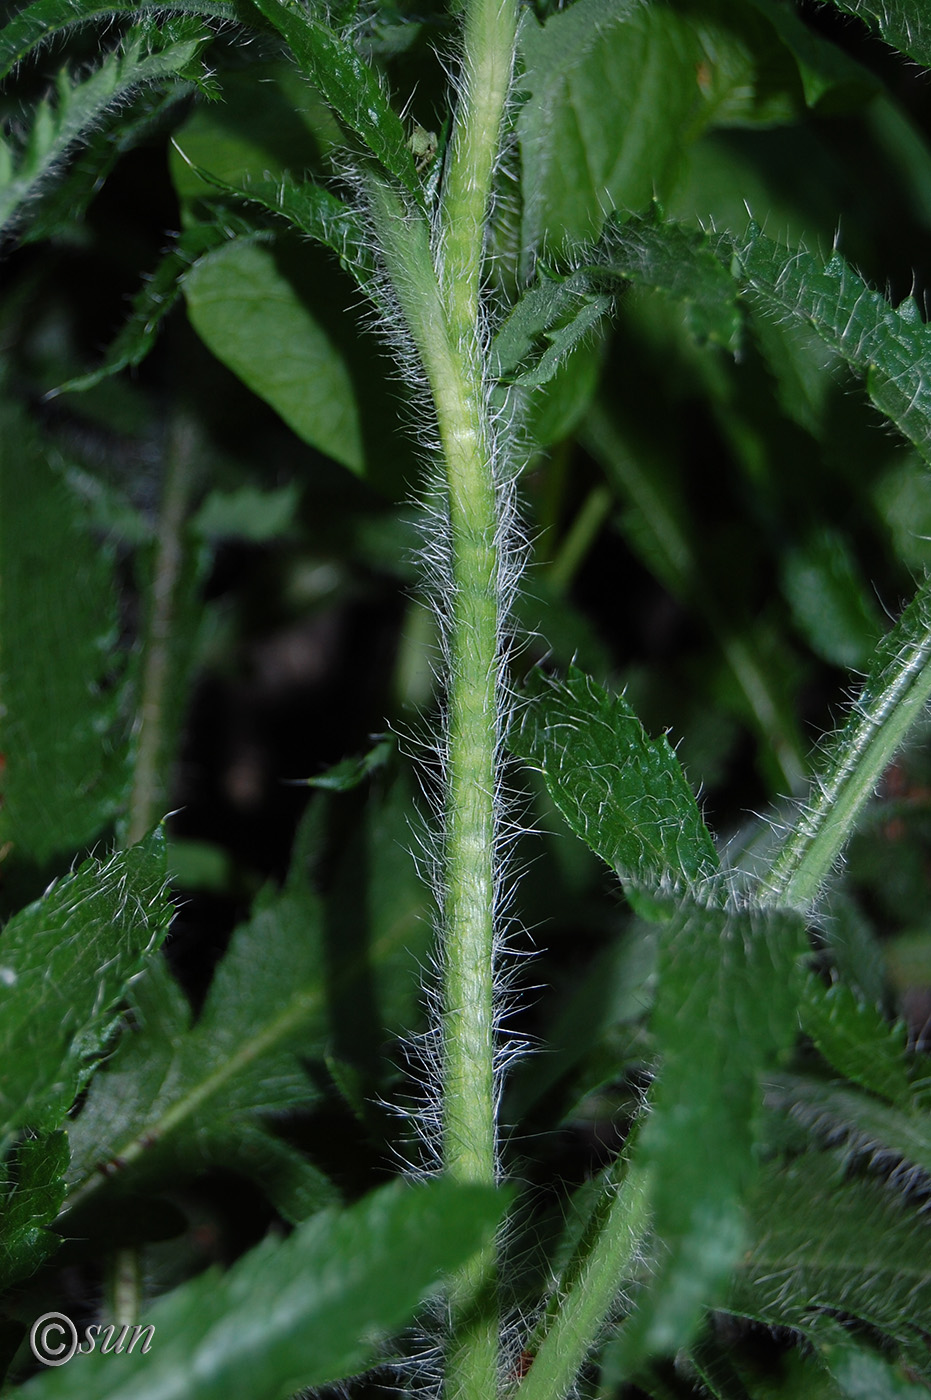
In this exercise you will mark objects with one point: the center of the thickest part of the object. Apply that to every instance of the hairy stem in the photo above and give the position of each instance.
(439, 289)
(589, 1288)
(893, 699)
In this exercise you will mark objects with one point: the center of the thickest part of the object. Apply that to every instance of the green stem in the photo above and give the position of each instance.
(468, 1110)
(146, 799)
(589, 1288)
(439, 289)
(892, 700)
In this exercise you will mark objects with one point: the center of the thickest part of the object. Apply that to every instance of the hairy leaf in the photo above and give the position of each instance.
(856, 1039)
(302, 975)
(869, 1125)
(147, 56)
(888, 345)
(349, 85)
(65, 962)
(622, 792)
(636, 251)
(854, 1246)
(64, 763)
(35, 24)
(725, 979)
(903, 23)
(156, 298)
(303, 1312)
(29, 1203)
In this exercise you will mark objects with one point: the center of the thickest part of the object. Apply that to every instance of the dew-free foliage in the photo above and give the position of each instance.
(463, 488)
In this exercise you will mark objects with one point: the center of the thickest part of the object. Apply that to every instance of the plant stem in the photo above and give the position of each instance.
(147, 795)
(439, 290)
(892, 700)
(589, 1287)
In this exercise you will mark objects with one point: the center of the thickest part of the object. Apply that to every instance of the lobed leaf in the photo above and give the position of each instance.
(856, 1039)
(35, 24)
(303, 1312)
(157, 296)
(65, 963)
(297, 979)
(622, 792)
(823, 1245)
(636, 251)
(147, 56)
(64, 767)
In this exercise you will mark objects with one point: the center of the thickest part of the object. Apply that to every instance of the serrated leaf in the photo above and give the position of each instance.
(296, 978)
(857, 1247)
(349, 85)
(903, 23)
(64, 773)
(856, 1039)
(868, 1124)
(65, 962)
(155, 299)
(726, 978)
(304, 1312)
(146, 56)
(888, 345)
(637, 251)
(37, 23)
(622, 792)
(30, 1202)
(248, 313)
(312, 210)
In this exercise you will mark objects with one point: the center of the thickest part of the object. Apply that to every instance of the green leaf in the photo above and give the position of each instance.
(349, 85)
(891, 701)
(312, 210)
(888, 345)
(147, 55)
(65, 962)
(349, 773)
(622, 792)
(303, 1312)
(725, 1011)
(35, 24)
(903, 23)
(178, 1097)
(247, 513)
(31, 1200)
(856, 1039)
(157, 296)
(868, 1124)
(617, 92)
(248, 313)
(829, 601)
(855, 1246)
(65, 765)
(304, 974)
